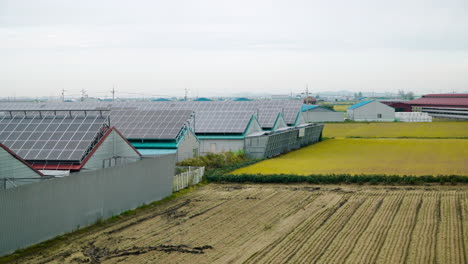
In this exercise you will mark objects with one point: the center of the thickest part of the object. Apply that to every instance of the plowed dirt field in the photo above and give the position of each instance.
(225, 223)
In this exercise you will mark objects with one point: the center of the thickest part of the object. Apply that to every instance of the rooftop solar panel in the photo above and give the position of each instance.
(150, 124)
(39, 137)
(222, 122)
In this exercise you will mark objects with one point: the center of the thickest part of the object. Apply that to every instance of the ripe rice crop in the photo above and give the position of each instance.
(341, 107)
(371, 157)
(397, 130)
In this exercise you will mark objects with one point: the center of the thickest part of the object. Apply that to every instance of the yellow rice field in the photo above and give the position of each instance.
(341, 107)
(371, 156)
(416, 130)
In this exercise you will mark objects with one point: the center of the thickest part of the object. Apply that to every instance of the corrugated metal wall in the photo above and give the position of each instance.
(36, 212)
(12, 168)
(188, 147)
(267, 146)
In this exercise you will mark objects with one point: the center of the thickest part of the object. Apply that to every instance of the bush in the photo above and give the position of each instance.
(215, 161)
(224, 176)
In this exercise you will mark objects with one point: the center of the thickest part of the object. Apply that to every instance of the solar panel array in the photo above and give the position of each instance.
(265, 110)
(267, 119)
(35, 136)
(150, 124)
(222, 122)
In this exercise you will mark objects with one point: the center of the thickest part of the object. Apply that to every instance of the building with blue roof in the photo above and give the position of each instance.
(371, 110)
(317, 113)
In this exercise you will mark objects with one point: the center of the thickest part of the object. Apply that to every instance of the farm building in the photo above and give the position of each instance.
(442, 105)
(271, 114)
(60, 142)
(274, 143)
(316, 113)
(14, 171)
(156, 132)
(224, 131)
(371, 111)
(399, 105)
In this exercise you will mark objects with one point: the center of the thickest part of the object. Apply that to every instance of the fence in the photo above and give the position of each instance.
(35, 212)
(192, 176)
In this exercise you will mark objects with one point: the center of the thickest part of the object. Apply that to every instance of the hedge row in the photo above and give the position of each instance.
(335, 178)
(222, 175)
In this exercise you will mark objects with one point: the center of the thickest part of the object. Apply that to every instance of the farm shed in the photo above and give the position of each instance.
(224, 131)
(316, 113)
(399, 105)
(371, 111)
(158, 132)
(270, 144)
(442, 105)
(65, 141)
(14, 171)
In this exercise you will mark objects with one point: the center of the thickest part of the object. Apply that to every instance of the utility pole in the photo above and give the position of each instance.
(113, 93)
(307, 93)
(83, 94)
(186, 94)
(63, 95)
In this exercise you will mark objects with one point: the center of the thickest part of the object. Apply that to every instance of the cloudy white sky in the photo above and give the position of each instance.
(224, 47)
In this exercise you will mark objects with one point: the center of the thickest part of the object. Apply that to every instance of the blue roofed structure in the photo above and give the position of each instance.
(360, 104)
(317, 113)
(160, 100)
(371, 110)
(203, 99)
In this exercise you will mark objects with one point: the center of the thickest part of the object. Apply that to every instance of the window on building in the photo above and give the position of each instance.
(379, 115)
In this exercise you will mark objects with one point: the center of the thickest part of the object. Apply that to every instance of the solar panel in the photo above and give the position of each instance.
(266, 110)
(221, 122)
(267, 118)
(290, 115)
(38, 137)
(150, 124)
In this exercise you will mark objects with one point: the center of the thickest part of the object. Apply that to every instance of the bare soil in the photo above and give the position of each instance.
(228, 223)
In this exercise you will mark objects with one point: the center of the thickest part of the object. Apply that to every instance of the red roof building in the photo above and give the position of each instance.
(442, 105)
(442, 100)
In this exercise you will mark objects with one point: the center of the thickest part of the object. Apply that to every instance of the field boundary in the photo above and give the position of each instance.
(336, 178)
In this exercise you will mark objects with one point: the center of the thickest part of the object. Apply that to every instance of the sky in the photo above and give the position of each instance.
(217, 47)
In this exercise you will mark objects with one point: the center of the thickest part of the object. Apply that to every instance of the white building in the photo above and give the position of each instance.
(316, 113)
(371, 111)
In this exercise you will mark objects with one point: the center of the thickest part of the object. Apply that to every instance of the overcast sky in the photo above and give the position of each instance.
(216, 47)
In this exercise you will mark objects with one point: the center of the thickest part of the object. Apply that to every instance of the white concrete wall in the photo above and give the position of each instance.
(187, 146)
(370, 112)
(114, 145)
(10, 167)
(220, 145)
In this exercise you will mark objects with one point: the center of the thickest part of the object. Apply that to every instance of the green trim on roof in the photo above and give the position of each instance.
(222, 137)
(280, 115)
(164, 145)
(250, 123)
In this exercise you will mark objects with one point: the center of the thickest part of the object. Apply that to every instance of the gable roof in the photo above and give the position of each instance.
(360, 104)
(151, 124)
(78, 167)
(227, 122)
(306, 107)
(43, 136)
(442, 99)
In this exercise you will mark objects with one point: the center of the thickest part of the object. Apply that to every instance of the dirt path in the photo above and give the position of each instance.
(227, 223)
